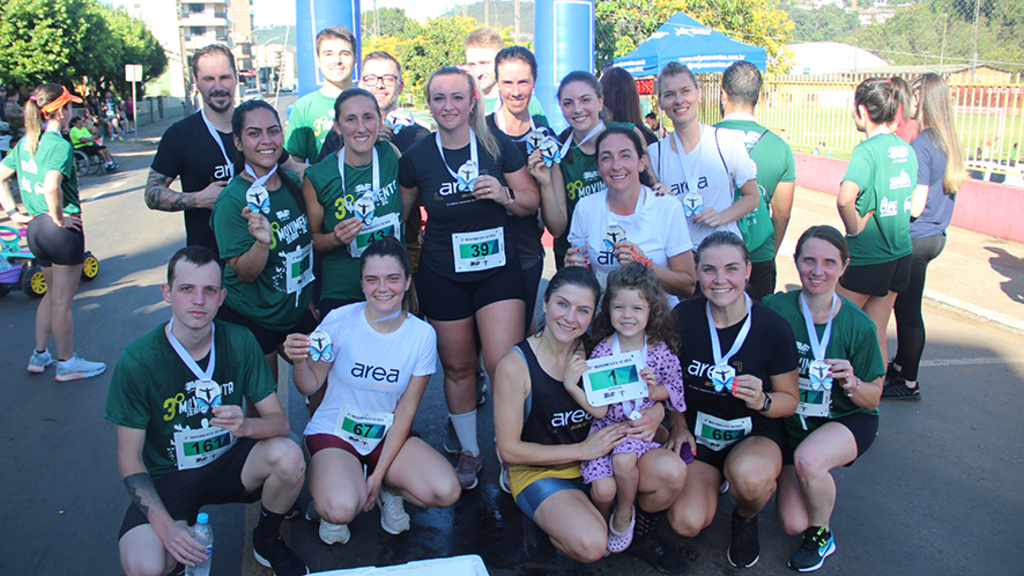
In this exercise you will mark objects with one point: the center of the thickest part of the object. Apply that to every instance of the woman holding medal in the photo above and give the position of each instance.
(740, 373)
(546, 441)
(263, 235)
(353, 199)
(360, 422)
(628, 222)
(841, 373)
(469, 277)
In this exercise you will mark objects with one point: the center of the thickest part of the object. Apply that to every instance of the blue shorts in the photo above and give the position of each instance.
(531, 497)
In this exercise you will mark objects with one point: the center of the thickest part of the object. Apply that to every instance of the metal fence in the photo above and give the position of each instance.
(813, 114)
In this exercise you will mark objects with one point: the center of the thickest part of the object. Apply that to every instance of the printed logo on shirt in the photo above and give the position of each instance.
(290, 233)
(590, 175)
(901, 181)
(29, 166)
(573, 418)
(907, 204)
(680, 188)
(576, 190)
(899, 154)
(887, 208)
(802, 348)
(375, 373)
(323, 124)
(699, 369)
(189, 405)
(283, 214)
(221, 172)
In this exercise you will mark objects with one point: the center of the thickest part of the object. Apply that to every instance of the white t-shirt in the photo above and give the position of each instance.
(657, 226)
(705, 174)
(371, 370)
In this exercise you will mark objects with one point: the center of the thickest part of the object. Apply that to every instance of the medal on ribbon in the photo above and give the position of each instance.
(258, 199)
(467, 175)
(320, 347)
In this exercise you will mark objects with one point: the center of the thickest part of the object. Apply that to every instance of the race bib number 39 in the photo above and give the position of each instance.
(196, 448)
(477, 251)
(716, 433)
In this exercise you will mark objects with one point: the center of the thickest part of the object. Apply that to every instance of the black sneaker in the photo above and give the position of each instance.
(538, 546)
(891, 373)
(744, 550)
(650, 548)
(818, 544)
(898, 390)
(275, 554)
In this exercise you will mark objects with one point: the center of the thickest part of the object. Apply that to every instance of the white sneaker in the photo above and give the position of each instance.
(78, 368)
(37, 363)
(334, 533)
(504, 481)
(393, 517)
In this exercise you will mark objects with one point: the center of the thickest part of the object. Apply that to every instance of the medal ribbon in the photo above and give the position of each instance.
(716, 347)
(682, 156)
(259, 180)
(568, 141)
(187, 359)
(376, 170)
(472, 152)
(818, 347)
(499, 118)
(220, 143)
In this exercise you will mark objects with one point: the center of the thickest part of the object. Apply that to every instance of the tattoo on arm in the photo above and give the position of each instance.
(143, 492)
(159, 196)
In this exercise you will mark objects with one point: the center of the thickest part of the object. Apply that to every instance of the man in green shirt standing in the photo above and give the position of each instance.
(183, 440)
(312, 117)
(776, 175)
(81, 139)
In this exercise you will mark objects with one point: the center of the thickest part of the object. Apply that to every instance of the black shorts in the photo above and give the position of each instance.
(717, 458)
(51, 244)
(864, 428)
(446, 300)
(268, 339)
(183, 493)
(762, 279)
(878, 279)
(92, 149)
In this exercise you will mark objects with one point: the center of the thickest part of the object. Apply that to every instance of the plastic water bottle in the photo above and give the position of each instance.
(203, 533)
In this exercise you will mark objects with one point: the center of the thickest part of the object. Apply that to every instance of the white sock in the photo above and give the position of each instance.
(66, 363)
(465, 429)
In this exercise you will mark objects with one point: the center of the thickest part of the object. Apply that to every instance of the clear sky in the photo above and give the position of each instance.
(276, 12)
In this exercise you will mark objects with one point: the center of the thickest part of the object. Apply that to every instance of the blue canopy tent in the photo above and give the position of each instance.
(682, 39)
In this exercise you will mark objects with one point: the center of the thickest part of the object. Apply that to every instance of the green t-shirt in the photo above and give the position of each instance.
(311, 119)
(77, 134)
(579, 172)
(52, 153)
(775, 164)
(266, 300)
(885, 168)
(339, 272)
(153, 390)
(854, 338)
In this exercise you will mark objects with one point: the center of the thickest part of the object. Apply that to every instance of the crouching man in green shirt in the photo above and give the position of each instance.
(183, 440)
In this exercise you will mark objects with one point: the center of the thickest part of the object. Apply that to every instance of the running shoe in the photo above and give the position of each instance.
(311, 513)
(275, 554)
(77, 368)
(504, 480)
(468, 468)
(451, 439)
(898, 390)
(37, 363)
(724, 487)
(744, 550)
(481, 386)
(650, 548)
(393, 517)
(619, 541)
(294, 512)
(333, 533)
(817, 545)
(891, 373)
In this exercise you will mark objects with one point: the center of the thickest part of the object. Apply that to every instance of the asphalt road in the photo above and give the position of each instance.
(938, 493)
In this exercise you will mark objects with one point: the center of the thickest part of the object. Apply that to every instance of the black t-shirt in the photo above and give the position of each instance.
(187, 151)
(526, 230)
(450, 211)
(770, 349)
(552, 417)
(406, 137)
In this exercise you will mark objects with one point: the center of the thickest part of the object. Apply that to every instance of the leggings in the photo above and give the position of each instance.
(909, 321)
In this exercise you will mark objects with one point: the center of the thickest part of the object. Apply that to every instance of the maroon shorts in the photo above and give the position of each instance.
(318, 442)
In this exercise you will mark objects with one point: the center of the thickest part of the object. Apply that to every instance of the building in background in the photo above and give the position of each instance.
(161, 16)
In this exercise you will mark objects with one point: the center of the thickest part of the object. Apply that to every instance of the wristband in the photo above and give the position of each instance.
(640, 258)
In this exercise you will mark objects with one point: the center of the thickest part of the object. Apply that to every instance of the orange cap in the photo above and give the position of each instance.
(61, 100)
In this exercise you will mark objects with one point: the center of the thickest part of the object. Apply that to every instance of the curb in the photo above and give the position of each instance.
(961, 307)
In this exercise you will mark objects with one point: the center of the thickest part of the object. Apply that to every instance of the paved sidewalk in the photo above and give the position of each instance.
(977, 275)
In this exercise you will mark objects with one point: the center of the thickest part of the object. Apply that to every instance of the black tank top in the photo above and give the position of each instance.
(551, 416)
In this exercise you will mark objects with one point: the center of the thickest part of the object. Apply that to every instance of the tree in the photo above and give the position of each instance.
(393, 22)
(825, 24)
(623, 24)
(46, 41)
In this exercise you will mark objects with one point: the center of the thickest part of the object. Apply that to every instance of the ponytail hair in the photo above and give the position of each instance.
(879, 97)
(935, 111)
(35, 118)
(238, 125)
(477, 116)
(389, 246)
